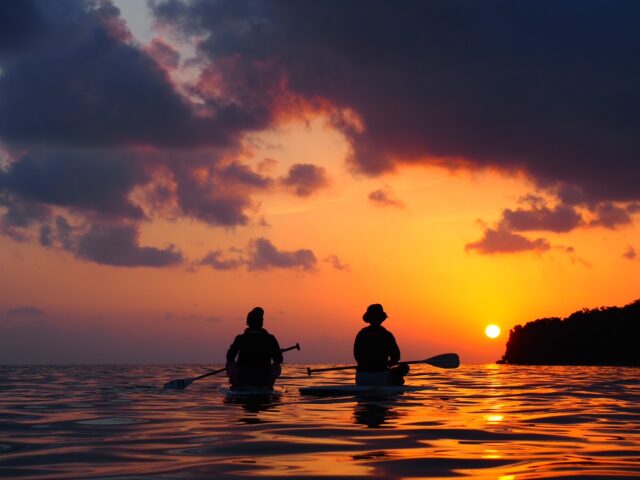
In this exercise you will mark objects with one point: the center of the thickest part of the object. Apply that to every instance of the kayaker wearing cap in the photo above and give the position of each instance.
(377, 352)
(258, 352)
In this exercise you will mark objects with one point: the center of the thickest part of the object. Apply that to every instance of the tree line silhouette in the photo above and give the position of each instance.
(602, 336)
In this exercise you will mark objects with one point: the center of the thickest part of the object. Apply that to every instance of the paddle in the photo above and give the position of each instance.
(183, 383)
(446, 360)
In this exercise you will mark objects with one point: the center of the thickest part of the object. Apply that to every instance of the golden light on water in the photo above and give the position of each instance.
(492, 331)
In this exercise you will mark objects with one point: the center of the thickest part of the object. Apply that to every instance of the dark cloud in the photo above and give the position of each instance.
(241, 174)
(336, 263)
(85, 180)
(82, 81)
(46, 236)
(216, 259)
(164, 53)
(559, 219)
(118, 245)
(304, 179)
(630, 253)
(210, 201)
(22, 214)
(91, 113)
(518, 86)
(25, 311)
(263, 255)
(612, 216)
(385, 198)
(501, 240)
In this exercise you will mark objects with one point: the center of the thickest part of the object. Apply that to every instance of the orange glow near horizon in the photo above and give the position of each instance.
(412, 260)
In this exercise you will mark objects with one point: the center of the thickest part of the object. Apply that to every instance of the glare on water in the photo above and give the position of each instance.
(482, 421)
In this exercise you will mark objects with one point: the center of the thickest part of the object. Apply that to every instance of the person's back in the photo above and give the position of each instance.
(375, 349)
(258, 355)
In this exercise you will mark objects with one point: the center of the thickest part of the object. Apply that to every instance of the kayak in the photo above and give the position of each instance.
(338, 390)
(250, 391)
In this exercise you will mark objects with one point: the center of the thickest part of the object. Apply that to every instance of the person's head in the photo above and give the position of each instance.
(255, 318)
(375, 314)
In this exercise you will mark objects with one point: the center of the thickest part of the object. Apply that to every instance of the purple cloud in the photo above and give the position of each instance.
(556, 99)
(559, 219)
(500, 240)
(630, 253)
(260, 254)
(304, 179)
(216, 260)
(336, 263)
(117, 245)
(263, 255)
(385, 198)
(612, 216)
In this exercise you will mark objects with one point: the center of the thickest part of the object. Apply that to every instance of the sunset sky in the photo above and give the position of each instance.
(167, 166)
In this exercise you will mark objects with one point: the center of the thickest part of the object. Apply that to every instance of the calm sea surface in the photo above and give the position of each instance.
(483, 421)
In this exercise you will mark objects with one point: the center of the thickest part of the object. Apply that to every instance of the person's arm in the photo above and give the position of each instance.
(394, 350)
(234, 349)
(276, 354)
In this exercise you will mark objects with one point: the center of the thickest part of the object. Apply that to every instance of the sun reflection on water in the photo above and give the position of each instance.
(485, 422)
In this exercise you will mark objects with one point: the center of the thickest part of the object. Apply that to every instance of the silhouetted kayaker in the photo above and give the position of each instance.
(258, 352)
(377, 352)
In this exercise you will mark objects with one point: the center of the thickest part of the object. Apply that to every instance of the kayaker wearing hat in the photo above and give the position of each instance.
(377, 352)
(258, 352)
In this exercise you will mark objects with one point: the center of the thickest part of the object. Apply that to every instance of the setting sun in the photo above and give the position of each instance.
(492, 331)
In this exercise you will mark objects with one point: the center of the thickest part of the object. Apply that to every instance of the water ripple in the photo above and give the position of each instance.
(483, 421)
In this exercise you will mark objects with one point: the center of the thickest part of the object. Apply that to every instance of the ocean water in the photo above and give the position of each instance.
(483, 421)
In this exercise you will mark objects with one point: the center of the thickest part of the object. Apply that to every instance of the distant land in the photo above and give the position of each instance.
(602, 336)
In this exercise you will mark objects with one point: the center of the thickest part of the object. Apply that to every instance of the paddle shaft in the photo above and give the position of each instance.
(431, 361)
(282, 350)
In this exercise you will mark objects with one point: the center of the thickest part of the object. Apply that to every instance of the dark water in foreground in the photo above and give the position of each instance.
(490, 421)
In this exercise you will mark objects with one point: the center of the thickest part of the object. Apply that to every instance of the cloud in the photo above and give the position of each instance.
(92, 124)
(336, 263)
(263, 255)
(23, 214)
(215, 260)
(260, 254)
(559, 219)
(76, 78)
(501, 240)
(25, 311)
(118, 245)
(630, 253)
(385, 198)
(214, 191)
(83, 180)
(304, 179)
(164, 53)
(612, 216)
(554, 96)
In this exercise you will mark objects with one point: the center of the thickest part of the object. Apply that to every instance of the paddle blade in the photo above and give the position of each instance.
(179, 384)
(446, 360)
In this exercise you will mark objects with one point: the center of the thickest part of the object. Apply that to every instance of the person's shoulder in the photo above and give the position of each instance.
(364, 330)
(386, 332)
(238, 338)
(272, 336)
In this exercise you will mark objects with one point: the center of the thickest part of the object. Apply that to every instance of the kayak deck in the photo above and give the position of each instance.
(337, 390)
(250, 391)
